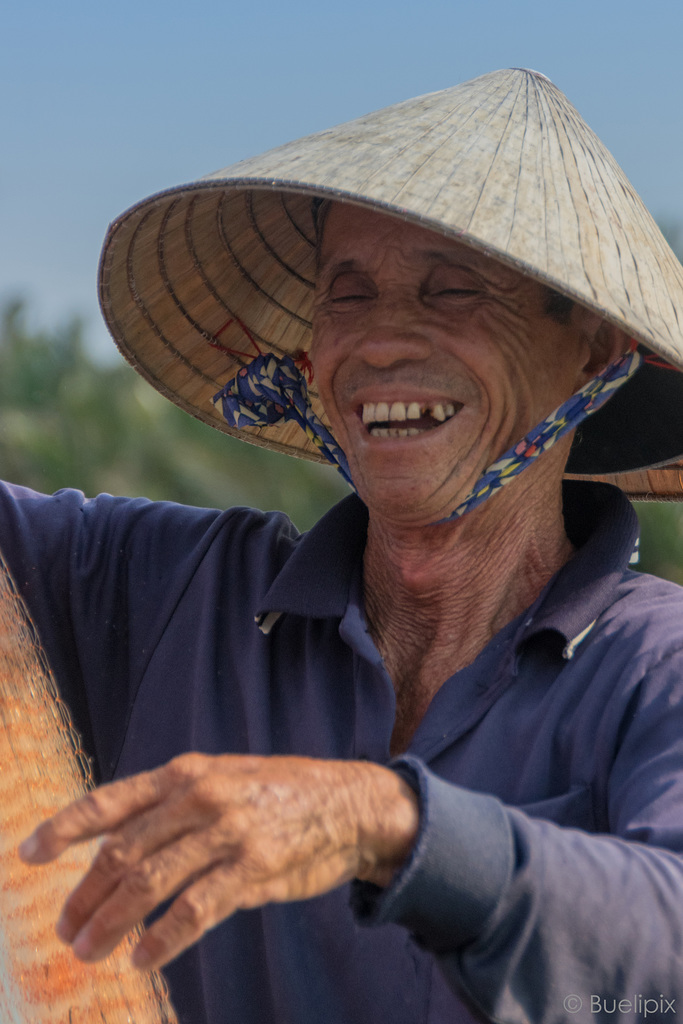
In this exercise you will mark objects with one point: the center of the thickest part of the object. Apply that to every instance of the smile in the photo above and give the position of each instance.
(382, 419)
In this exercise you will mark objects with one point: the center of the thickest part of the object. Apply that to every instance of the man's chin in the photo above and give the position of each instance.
(413, 490)
(406, 507)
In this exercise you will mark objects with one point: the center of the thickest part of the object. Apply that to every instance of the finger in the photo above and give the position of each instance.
(140, 889)
(218, 893)
(92, 815)
(200, 907)
(136, 841)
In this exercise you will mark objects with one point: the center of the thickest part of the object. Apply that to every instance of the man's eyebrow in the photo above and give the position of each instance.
(421, 256)
(338, 267)
(455, 259)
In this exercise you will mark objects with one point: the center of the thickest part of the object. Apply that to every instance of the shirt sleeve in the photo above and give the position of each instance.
(100, 578)
(532, 921)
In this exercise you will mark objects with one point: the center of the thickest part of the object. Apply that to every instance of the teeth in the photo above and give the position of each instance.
(401, 412)
(394, 431)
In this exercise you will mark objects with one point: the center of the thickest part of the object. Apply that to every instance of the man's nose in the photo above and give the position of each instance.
(394, 333)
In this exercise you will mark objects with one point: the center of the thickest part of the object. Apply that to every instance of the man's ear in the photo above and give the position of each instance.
(605, 341)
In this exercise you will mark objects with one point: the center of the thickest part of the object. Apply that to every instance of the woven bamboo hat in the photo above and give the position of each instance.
(503, 163)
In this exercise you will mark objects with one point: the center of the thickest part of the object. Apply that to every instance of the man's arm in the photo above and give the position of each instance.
(522, 914)
(225, 833)
(533, 921)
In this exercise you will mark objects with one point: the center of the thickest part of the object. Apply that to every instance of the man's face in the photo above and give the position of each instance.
(431, 360)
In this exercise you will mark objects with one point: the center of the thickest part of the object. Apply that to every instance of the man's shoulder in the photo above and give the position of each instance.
(646, 613)
(154, 539)
(107, 510)
(642, 590)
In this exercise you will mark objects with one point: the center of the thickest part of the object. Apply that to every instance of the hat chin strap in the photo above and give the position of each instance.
(566, 417)
(271, 389)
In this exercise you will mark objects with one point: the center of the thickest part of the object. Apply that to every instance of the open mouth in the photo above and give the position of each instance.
(406, 419)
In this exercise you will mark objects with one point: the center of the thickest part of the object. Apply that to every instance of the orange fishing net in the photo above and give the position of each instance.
(42, 768)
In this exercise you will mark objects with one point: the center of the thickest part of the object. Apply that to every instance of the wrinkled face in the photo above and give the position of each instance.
(431, 359)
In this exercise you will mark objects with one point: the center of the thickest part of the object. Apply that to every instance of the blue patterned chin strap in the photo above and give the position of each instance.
(272, 390)
(566, 417)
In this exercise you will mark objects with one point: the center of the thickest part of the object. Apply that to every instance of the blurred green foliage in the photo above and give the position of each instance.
(661, 538)
(661, 523)
(66, 421)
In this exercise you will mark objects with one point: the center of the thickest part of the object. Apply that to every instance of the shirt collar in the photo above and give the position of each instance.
(601, 522)
(315, 581)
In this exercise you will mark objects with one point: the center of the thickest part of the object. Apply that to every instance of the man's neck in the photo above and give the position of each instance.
(435, 596)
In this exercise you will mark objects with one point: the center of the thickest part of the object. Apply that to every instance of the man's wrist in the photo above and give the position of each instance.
(388, 826)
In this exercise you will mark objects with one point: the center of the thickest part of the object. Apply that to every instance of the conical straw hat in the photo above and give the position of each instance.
(503, 163)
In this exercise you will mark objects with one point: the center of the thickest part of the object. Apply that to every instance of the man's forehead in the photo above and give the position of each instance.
(350, 235)
(347, 226)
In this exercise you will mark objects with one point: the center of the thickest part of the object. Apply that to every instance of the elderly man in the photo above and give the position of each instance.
(455, 695)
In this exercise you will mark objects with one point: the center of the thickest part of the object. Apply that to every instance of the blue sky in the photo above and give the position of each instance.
(102, 104)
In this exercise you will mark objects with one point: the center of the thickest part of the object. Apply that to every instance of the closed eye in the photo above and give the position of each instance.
(350, 297)
(456, 291)
(351, 287)
(451, 282)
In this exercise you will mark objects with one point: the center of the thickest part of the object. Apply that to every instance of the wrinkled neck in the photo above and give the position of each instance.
(436, 595)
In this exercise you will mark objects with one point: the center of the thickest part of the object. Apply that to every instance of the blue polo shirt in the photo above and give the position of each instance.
(549, 771)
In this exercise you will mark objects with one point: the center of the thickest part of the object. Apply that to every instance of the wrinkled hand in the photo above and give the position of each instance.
(221, 834)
